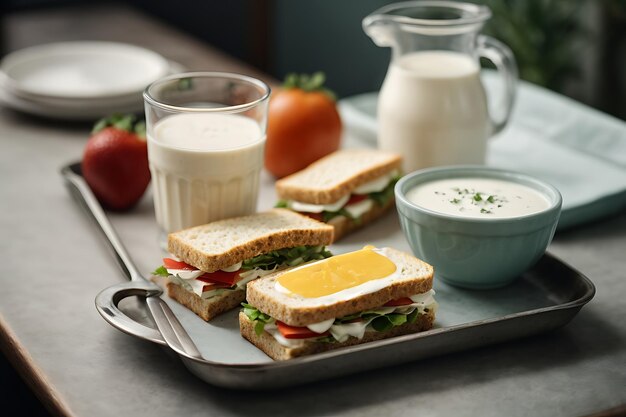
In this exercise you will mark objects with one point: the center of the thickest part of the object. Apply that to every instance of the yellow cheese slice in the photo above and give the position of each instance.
(337, 273)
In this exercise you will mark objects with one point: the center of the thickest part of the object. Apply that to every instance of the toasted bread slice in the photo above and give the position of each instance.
(344, 225)
(276, 351)
(416, 277)
(224, 243)
(336, 175)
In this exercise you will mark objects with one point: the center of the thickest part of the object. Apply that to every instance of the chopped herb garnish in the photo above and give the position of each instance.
(483, 201)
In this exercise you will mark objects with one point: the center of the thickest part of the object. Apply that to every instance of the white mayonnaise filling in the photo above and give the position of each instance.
(425, 298)
(196, 286)
(322, 326)
(233, 268)
(252, 275)
(185, 274)
(189, 279)
(272, 329)
(318, 208)
(356, 210)
(343, 331)
(376, 185)
(373, 186)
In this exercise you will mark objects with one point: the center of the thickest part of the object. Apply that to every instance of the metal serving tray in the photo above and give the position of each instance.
(544, 298)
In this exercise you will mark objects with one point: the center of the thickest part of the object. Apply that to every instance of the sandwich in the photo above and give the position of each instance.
(211, 264)
(348, 299)
(347, 189)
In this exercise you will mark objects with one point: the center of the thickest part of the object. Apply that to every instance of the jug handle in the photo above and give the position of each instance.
(502, 57)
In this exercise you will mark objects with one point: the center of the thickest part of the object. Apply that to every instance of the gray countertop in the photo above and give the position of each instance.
(55, 265)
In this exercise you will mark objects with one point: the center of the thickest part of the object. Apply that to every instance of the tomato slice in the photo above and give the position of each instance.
(230, 278)
(217, 277)
(314, 216)
(399, 302)
(214, 286)
(357, 198)
(291, 332)
(170, 263)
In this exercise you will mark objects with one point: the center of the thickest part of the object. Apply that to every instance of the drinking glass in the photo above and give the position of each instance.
(206, 136)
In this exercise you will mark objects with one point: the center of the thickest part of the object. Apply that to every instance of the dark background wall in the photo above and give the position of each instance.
(282, 36)
(576, 47)
(327, 35)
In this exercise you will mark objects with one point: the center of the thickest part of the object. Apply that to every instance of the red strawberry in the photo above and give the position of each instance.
(115, 162)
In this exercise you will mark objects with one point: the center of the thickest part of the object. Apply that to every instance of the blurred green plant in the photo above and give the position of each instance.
(543, 35)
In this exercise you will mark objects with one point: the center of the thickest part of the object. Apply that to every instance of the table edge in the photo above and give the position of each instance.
(31, 373)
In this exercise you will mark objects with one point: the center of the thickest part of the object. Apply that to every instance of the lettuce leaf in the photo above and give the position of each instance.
(329, 215)
(260, 319)
(387, 322)
(326, 339)
(289, 256)
(379, 322)
(412, 316)
(268, 261)
(382, 197)
(161, 272)
(326, 215)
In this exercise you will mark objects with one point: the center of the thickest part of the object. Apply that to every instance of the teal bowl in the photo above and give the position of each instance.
(477, 253)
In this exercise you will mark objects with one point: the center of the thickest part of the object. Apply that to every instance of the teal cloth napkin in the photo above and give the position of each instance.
(579, 150)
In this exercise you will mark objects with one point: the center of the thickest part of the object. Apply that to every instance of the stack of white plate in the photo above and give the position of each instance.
(79, 80)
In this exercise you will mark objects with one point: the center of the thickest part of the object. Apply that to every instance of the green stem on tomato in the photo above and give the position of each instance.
(127, 122)
(309, 83)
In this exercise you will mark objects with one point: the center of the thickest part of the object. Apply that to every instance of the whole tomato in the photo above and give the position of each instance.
(303, 125)
(115, 162)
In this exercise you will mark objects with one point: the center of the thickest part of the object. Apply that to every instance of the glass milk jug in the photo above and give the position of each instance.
(432, 107)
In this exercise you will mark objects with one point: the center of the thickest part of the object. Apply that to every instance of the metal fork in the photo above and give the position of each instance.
(170, 330)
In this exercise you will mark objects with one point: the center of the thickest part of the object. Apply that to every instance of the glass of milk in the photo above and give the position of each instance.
(432, 107)
(206, 135)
